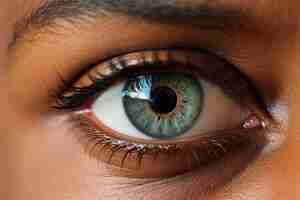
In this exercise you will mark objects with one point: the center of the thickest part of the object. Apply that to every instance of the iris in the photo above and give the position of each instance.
(163, 105)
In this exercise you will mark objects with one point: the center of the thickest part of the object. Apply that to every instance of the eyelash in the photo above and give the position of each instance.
(77, 98)
(100, 82)
(213, 146)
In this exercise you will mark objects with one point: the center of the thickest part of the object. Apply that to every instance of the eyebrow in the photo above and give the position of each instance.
(199, 14)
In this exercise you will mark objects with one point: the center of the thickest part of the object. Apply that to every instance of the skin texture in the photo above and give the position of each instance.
(40, 159)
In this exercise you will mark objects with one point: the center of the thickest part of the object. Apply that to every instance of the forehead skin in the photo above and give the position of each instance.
(267, 51)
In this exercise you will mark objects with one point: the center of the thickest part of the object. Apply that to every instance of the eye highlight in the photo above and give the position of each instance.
(175, 109)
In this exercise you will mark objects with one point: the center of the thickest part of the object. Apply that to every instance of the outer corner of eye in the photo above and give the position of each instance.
(172, 119)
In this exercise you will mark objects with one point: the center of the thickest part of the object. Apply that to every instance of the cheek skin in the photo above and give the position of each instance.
(54, 155)
(6, 37)
(48, 164)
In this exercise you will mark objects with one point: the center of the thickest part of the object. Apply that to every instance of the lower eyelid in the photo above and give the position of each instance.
(133, 162)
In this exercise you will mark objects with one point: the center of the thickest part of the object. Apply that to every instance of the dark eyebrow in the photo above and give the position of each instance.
(200, 14)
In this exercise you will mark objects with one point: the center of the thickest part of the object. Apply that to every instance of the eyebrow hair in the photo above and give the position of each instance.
(200, 14)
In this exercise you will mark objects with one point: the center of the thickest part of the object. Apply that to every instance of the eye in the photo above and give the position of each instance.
(168, 108)
(165, 106)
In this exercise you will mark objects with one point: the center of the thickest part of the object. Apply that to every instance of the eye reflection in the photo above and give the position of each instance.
(177, 110)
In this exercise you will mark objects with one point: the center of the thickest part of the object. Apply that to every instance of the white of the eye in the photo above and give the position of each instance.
(219, 112)
(108, 108)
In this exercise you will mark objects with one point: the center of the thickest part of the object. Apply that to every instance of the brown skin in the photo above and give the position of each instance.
(40, 159)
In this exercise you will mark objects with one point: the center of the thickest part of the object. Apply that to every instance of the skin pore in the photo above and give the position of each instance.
(41, 158)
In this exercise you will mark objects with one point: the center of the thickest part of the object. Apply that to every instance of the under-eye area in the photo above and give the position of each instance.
(162, 113)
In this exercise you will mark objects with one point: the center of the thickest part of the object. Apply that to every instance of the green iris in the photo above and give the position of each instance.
(163, 105)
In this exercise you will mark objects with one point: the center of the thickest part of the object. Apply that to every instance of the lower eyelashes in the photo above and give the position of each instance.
(163, 113)
(140, 160)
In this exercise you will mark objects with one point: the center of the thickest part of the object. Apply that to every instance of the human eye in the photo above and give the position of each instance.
(162, 113)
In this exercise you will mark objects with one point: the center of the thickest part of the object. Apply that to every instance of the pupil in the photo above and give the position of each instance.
(164, 100)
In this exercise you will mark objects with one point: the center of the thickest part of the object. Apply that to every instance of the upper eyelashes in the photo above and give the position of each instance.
(169, 106)
(210, 67)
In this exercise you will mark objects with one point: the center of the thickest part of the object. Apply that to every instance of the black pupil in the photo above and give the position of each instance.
(164, 100)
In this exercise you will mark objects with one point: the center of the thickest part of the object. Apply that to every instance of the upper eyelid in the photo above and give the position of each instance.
(163, 56)
(225, 73)
(185, 57)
